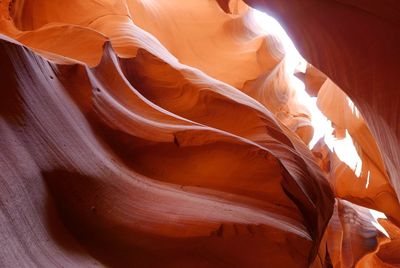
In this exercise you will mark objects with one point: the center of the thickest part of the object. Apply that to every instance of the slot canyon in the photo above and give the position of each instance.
(200, 133)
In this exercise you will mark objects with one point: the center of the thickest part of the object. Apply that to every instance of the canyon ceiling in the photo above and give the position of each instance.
(167, 133)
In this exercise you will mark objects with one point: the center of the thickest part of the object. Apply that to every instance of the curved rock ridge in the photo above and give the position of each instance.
(197, 34)
(167, 133)
(350, 54)
(368, 183)
(75, 143)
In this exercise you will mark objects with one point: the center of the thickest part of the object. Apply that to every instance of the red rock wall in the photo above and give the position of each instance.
(163, 133)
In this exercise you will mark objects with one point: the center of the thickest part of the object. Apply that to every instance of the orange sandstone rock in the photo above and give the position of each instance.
(168, 133)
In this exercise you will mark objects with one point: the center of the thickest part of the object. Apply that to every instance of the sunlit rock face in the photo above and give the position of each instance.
(166, 133)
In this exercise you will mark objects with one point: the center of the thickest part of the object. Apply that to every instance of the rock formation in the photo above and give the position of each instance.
(166, 133)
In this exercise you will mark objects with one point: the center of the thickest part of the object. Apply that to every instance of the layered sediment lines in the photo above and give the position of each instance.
(357, 52)
(168, 133)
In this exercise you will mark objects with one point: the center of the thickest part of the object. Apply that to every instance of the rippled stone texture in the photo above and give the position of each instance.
(167, 133)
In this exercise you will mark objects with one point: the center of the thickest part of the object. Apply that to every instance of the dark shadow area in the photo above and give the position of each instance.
(10, 100)
(85, 205)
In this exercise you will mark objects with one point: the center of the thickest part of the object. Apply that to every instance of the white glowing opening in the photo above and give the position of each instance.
(346, 152)
(294, 61)
(378, 215)
(344, 148)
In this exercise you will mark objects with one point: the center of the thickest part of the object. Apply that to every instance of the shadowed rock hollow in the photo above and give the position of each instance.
(166, 133)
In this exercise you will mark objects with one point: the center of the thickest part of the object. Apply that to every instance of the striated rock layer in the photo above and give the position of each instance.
(169, 134)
